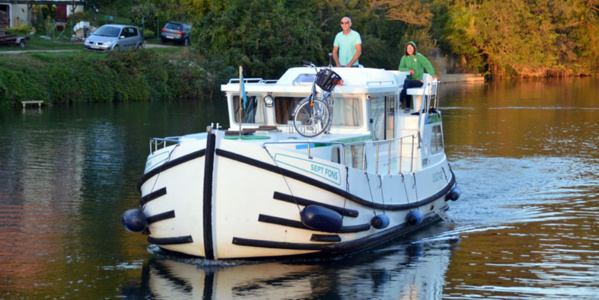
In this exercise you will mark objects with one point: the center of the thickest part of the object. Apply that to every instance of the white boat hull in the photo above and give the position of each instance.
(234, 201)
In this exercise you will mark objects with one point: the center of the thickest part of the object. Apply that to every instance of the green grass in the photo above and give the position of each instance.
(38, 43)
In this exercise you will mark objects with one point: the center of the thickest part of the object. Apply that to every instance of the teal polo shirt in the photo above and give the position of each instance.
(347, 46)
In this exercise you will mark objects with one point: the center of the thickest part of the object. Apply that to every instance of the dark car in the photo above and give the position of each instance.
(176, 32)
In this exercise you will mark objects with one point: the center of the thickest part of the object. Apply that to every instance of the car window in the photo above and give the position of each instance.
(130, 32)
(173, 26)
(108, 31)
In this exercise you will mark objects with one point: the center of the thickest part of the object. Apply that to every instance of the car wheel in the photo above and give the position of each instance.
(186, 42)
(116, 48)
(163, 41)
(139, 46)
(22, 44)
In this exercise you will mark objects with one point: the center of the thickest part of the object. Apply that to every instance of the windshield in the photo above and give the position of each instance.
(108, 31)
(174, 26)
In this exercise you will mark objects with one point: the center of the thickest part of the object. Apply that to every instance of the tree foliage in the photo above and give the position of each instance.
(414, 12)
(525, 38)
(497, 37)
(262, 35)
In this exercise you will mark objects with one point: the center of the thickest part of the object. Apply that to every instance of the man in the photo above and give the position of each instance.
(349, 45)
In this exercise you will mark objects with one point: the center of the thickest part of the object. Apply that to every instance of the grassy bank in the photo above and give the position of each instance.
(79, 76)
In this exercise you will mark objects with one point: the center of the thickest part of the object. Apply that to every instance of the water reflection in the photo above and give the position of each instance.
(524, 118)
(66, 173)
(525, 155)
(413, 270)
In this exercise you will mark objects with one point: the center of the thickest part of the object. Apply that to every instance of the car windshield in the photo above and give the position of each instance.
(108, 31)
(174, 26)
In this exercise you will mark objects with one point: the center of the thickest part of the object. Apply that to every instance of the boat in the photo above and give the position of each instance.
(261, 189)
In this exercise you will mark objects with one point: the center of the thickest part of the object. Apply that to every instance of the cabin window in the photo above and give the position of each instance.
(284, 108)
(253, 110)
(347, 112)
(377, 108)
(389, 117)
(436, 140)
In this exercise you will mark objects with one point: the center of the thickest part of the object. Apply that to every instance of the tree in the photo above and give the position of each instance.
(413, 12)
(525, 38)
(262, 35)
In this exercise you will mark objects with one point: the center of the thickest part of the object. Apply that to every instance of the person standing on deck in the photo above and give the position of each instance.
(349, 45)
(416, 64)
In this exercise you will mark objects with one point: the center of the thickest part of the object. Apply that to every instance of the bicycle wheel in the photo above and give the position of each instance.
(311, 119)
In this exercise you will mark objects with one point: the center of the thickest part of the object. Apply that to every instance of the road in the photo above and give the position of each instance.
(31, 51)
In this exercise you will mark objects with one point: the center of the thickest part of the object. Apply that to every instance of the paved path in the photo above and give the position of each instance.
(31, 51)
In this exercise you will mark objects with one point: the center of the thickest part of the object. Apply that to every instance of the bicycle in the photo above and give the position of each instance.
(313, 115)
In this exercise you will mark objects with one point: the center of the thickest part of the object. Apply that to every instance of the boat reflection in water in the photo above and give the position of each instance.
(400, 271)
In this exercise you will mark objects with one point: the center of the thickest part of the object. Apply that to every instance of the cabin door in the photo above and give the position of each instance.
(383, 117)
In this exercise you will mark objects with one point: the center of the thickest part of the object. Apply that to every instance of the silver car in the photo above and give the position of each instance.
(114, 37)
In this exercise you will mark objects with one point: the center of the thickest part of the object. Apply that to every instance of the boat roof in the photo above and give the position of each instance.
(299, 79)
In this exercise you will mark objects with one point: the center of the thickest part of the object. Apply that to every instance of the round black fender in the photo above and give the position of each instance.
(380, 221)
(134, 220)
(321, 218)
(414, 217)
(454, 194)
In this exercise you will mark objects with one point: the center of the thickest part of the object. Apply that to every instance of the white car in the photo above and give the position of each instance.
(114, 37)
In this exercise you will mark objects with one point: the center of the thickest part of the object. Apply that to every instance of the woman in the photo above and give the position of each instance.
(416, 64)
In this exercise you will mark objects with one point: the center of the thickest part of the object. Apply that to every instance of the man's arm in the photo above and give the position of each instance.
(356, 56)
(335, 55)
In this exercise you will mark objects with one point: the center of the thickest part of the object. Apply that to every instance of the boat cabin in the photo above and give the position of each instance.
(366, 108)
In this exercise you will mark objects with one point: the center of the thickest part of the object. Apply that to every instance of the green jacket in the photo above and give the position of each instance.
(416, 62)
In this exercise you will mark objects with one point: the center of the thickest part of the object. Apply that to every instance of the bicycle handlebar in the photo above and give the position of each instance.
(308, 63)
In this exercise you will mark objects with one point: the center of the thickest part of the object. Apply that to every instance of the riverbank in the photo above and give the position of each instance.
(144, 75)
(462, 78)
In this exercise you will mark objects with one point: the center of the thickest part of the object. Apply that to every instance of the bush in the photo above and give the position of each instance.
(17, 30)
(149, 34)
(142, 75)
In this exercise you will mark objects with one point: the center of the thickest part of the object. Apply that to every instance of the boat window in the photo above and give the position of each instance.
(377, 108)
(304, 79)
(252, 110)
(389, 117)
(347, 112)
(284, 108)
(436, 140)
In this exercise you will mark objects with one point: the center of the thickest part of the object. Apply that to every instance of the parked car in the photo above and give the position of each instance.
(114, 37)
(176, 32)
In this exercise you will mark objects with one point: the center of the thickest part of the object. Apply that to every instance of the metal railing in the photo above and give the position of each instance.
(380, 157)
(384, 156)
(159, 143)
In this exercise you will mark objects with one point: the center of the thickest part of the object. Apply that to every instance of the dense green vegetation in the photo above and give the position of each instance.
(71, 77)
(516, 38)
(496, 37)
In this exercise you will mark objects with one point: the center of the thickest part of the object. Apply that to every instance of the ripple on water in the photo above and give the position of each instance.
(526, 229)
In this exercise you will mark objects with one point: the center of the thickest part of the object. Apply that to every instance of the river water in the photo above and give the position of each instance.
(525, 155)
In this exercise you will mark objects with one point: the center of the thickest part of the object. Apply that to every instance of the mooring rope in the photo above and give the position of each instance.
(284, 178)
(168, 158)
(405, 188)
(370, 190)
(382, 192)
